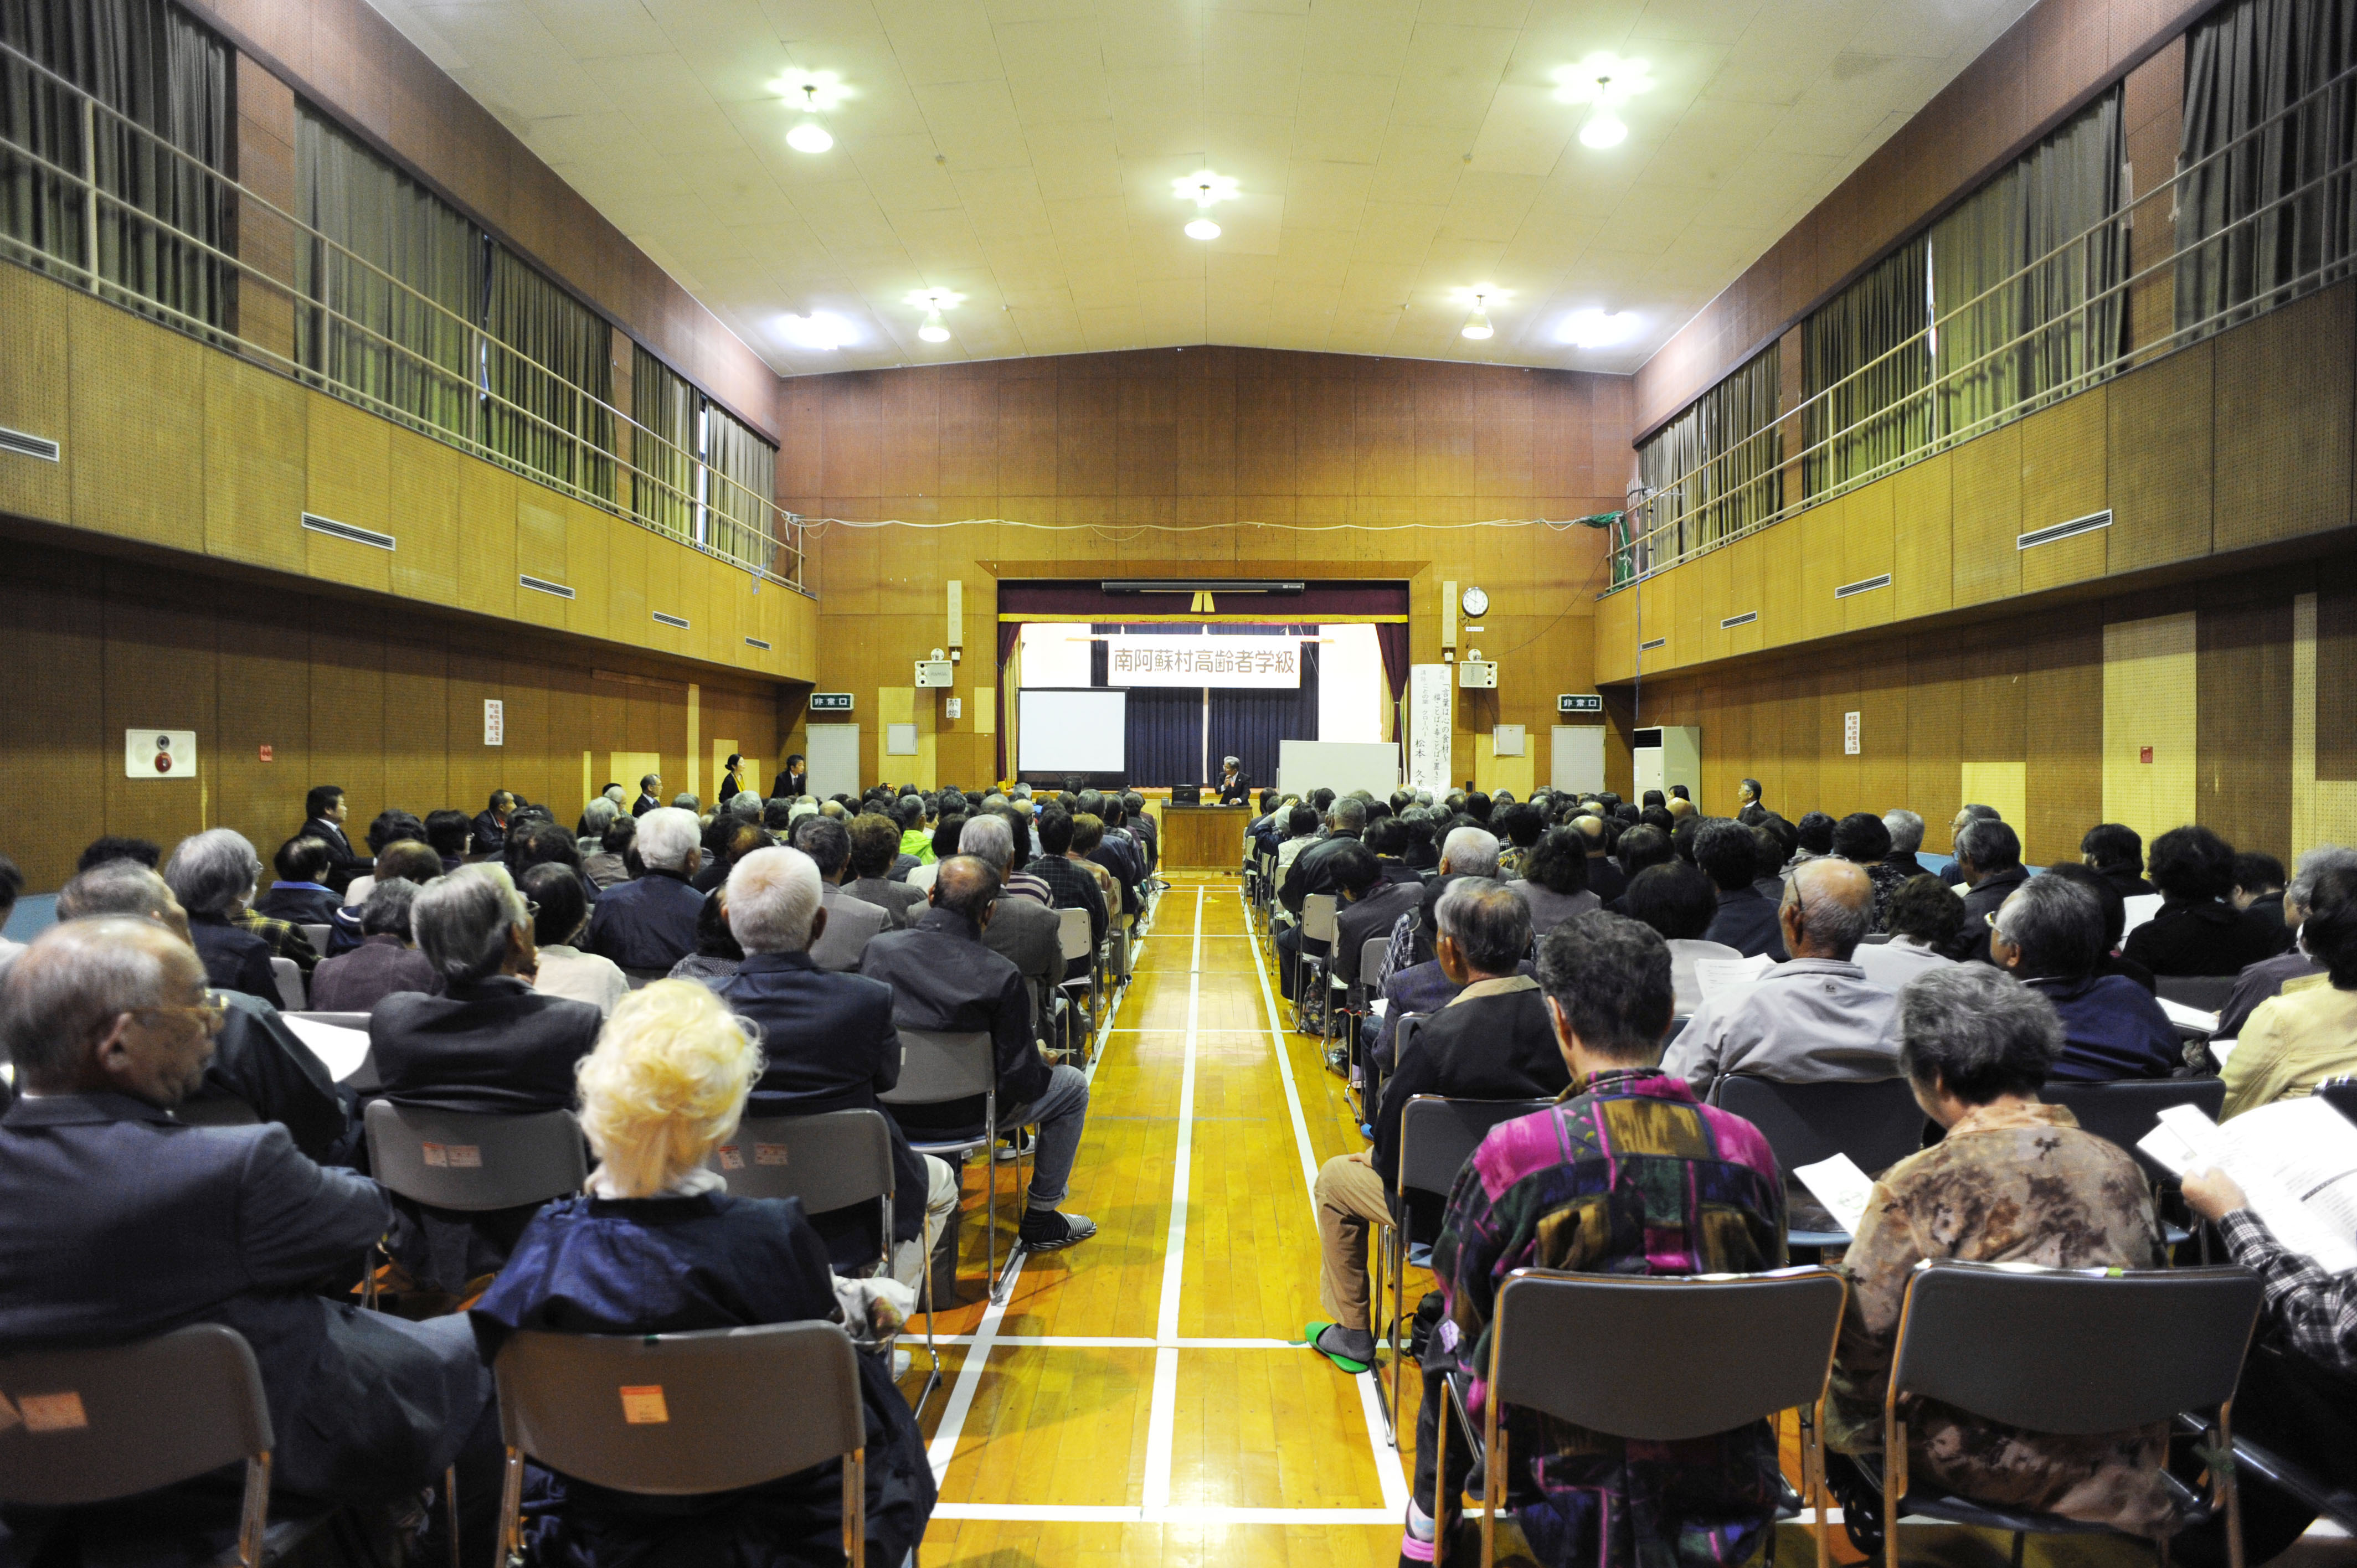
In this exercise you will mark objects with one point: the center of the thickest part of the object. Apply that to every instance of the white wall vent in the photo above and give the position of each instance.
(347, 532)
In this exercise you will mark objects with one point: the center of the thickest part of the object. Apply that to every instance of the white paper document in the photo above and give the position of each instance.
(1717, 975)
(2140, 909)
(2186, 1017)
(1841, 1186)
(341, 1049)
(2296, 1160)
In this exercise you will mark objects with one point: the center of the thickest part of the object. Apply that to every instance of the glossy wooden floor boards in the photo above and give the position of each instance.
(1141, 1398)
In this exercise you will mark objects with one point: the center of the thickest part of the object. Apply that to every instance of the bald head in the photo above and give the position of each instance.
(79, 1012)
(968, 884)
(1828, 907)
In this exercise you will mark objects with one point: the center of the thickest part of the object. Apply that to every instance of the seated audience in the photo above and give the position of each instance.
(451, 834)
(1639, 848)
(2049, 934)
(1553, 880)
(650, 924)
(488, 1044)
(942, 978)
(1518, 827)
(1861, 839)
(2270, 977)
(323, 811)
(611, 864)
(1678, 902)
(212, 873)
(1813, 833)
(1468, 851)
(850, 921)
(1604, 878)
(1952, 874)
(1309, 872)
(658, 1245)
(2259, 891)
(1906, 838)
(1026, 934)
(560, 914)
(602, 811)
(118, 1223)
(2197, 930)
(2013, 1181)
(1301, 831)
(384, 962)
(1369, 908)
(1118, 855)
(492, 823)
(1729, 855)
(916, 832)
(830, 1045)
(2115, 920)
(947, 830)
(1627, 1176)
(388, 827)
(256, 1059)
(402, 861)
(300, 894)
(2298, 1396)
(1088, 838)
(1921, 926)
(110, 847)
(874, 845)
(1813, 1019)
(2114, 852)
(534, 840)
(1388, 840)
(729, 840)
(650, 797)
(718, 957)
(1988, 863)
(1491, 1041)
(2308, 1032)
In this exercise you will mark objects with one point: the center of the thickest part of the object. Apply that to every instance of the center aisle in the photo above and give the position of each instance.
(1140, 1396)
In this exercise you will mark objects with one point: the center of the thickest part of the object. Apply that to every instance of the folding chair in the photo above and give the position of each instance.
(288, 977)
(2207, 993)
(1761, 1344)
(97, 1425)
(1318, 916)
(224, 1110)
(319, 935)
(1438, 1136)
(830, 1161)
(2072, 1351)
(472, 1162)
(682, 1415)
(2125, 1110)
(1357, 1008)
(1073, 931)
(2340, 1093)
(935, 1069)
(340, 1020)
(1875, 1123)
(640, 979)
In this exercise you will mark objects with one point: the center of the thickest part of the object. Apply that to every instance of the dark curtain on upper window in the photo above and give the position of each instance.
(662, 473)
(2000, 346)
(1873, 326)
(398, 278)
(553, 357)
(2246, 64)
(1706, 478)
(157, 68)
(740, 487)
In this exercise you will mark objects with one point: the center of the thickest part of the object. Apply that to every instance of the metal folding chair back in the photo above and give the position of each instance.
(1438, 1136)
(288, 977)
(98, 1424)
(223, 1112)
(936, 1067)
(1073, 931)
(1318, 912)
(2128, 1110)
(1875, 1123)
(473, 1161)
(340, 1020)
(2207, 992)
(2340, 1093)
(319, 935)
(682, 1415)
(830, 1161)
(1371, 959)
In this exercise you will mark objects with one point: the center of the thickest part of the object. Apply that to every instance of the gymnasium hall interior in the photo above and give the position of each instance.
(1083, 783)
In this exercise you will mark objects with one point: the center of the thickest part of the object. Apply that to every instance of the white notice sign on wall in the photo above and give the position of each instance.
(1849, 735)
(495, 721)
(1431, 726)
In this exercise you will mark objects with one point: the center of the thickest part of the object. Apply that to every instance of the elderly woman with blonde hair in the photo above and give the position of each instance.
(658, 1245)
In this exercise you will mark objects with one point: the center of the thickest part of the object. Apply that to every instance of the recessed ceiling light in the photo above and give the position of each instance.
(1598, 328)
(820, 329)
(1477, 325)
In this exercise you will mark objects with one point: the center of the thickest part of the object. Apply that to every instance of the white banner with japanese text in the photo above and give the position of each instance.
(1431, 726)
(1267, 662)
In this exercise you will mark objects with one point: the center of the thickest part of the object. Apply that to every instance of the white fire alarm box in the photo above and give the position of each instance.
(936, 672)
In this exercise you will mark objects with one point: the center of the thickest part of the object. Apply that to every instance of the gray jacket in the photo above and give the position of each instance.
(1810, 1020)
(850, 921)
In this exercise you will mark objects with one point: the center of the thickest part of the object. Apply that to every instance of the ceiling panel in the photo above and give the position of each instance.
(1391, 157)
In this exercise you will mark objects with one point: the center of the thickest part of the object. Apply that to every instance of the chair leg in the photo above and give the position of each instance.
(1439, 1481)
(932, 1351)
(855, 1508)
(1813, 1488)
(1493, 1480)
(450, 1511)
(2018, 1541)
(254, 1517)
(2234, 1487)
(1397, 1268)
(511, 1509)
(990, 1192)
(1894, 1488)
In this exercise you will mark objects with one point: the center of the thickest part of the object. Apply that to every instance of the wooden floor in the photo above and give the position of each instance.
(1143, 1398)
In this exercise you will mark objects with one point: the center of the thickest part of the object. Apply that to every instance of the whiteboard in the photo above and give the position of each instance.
(1073, 732)
(1340, 765)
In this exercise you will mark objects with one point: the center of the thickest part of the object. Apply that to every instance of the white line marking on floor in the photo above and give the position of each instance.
(1117, 1342)
(1162, 1418)
(1387, 1466)
(969, 1377)
(1179, 1514)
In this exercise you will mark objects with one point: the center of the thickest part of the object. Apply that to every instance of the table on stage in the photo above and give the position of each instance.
(1204, 838)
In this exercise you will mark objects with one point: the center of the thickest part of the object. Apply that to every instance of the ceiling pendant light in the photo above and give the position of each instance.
(810, 136)
(933, 329)
(1603, 80)
(1604, 128)
(1204, 188)
(1204, 228)
(1477, 325)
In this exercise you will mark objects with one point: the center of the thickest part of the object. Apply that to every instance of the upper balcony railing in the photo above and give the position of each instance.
(2282, 248)
(479, 395)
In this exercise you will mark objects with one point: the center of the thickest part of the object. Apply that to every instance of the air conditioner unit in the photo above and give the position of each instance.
(1480, 674)
(936, 672)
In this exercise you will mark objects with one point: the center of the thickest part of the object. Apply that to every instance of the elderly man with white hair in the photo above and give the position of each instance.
(1027, 934)
(213, 875)
(118, 1222)
(648, 924)
(1815, 1019)
(830, 1045)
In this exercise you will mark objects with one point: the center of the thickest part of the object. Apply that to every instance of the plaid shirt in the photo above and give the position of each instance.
(1630, 1177)
(2315, 1312)
(286, 940)
(1073, 887)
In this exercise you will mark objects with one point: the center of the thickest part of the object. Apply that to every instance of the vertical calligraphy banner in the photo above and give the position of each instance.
(1431, 726)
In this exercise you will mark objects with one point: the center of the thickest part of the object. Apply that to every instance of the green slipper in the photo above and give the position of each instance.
(1310, 1336)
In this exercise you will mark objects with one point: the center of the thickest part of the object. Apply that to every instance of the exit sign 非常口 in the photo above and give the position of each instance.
(830, 701)
(1579, 703)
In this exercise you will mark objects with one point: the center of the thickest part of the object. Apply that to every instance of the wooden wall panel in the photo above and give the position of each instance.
(2062, 479)
(2283, 431)
(1870, 549)
(254, 469)
(33, 397)
(1985, 474)
(2243, 714)
(1818, 613)
(423, 511)
(347, 459)
(135, 425)
(2160, 455)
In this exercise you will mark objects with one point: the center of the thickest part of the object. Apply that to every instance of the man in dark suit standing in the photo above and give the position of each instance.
(1235, 790)
(324, 808)
(649, 799)
(119, 1222)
